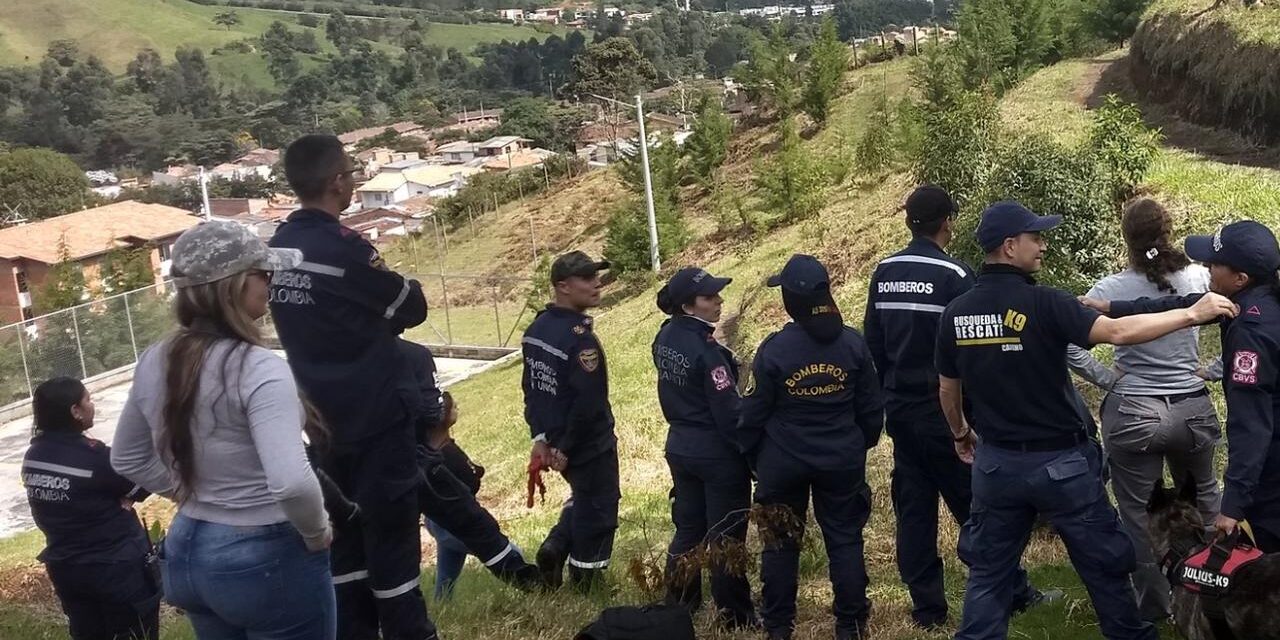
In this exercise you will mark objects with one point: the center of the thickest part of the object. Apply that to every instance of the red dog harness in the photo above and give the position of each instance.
(1208, 570)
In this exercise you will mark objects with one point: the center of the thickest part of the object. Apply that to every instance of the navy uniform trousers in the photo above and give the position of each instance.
(1010, 488)
(710, 504)
(925, 466)
(841, 505)
(590, 517)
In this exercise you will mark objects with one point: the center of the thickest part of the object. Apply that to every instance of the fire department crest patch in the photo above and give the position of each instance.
(1244, 367)
(579, 329)
(589, 359)
(720, 378)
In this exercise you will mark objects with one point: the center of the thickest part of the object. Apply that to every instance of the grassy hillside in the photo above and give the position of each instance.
(115, 30)
(1217, 65)
(860, 224)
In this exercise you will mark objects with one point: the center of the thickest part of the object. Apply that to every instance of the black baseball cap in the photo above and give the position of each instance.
(802, 274)
(928, 203)
(691, 282)
(576, 263)
(1006, 219)
(1245, 246)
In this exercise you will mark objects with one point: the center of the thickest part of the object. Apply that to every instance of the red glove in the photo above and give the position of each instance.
(535, 480)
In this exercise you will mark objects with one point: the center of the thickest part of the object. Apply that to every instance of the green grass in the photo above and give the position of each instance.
(1254, 26)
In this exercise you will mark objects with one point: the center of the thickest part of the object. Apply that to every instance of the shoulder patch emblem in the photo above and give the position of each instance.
(589, 359)
(720, 377)
(579, 329)
(1244, 367)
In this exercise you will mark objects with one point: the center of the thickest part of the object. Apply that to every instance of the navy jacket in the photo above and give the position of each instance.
(909, 292)
(75, 501)
(428, 405)
(819, 402)
(338, 315)
(566, 385)
(1250, 365)
(697, 388)
(1006, 340)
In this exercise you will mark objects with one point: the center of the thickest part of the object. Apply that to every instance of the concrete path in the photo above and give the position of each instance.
(15, 517)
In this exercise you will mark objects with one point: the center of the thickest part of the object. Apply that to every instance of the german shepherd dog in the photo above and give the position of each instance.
(1252, 609)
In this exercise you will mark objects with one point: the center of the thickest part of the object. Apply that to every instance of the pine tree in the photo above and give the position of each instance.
(828, 61)
(707, 146)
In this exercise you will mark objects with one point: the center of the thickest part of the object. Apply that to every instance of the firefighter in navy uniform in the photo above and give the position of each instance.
(909, 291)
(566, 403)
(1003, 346)
(444, 497)
(813, 412)
(338, 315)
(97, 551)
(697, 388)
(1243, 258)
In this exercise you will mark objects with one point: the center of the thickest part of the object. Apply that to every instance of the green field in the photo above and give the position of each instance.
(115, 30)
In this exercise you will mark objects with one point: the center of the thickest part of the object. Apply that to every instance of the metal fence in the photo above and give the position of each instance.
(486, 311)
(88, 340)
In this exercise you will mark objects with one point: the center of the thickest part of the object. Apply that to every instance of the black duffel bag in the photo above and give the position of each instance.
(652, 622)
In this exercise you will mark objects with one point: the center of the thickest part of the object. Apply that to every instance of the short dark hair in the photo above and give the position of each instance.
(926, 229)
(51, 405)
(311, 162)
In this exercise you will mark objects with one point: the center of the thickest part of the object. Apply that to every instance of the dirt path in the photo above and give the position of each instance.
(1107, 75)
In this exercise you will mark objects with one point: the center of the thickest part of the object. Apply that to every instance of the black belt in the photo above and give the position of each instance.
(1179, 397)
(1056, 443)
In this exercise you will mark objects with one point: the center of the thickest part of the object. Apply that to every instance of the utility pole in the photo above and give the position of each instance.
(204, 195)
(654, 259)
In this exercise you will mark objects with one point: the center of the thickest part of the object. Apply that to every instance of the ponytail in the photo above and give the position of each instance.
(1146, 226)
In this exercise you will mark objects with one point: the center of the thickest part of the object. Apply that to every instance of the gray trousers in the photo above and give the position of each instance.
(1141, 434)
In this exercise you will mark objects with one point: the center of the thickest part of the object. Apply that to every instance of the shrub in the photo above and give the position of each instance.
(791, 183)
(626, 240)
(1122, 145)
(959, 141)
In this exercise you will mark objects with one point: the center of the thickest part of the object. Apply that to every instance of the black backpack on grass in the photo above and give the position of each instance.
(652, 622)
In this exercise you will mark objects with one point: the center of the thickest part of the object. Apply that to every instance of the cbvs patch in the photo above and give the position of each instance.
(589, 359)
(1244, 367)
(720, 378)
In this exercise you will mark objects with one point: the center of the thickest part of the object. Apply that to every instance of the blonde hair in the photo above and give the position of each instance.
(207, 314)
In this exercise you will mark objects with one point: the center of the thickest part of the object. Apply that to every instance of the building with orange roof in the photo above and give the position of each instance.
(28, 251)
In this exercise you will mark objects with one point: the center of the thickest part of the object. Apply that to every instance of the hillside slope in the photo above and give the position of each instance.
(1215, 65)
(115, 30)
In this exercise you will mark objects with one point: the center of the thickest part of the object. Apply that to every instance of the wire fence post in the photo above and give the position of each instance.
(75, 323)
(26, 370)
(128, 316)
(497, 320)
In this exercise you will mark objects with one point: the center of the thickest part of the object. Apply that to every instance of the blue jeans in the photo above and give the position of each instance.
(451, 554)
(248, 583)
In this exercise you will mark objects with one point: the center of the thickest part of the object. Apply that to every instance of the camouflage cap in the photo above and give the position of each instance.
(211, 251)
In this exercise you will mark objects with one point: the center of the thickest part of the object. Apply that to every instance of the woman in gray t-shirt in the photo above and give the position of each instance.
(214, 422)
(1157, 409)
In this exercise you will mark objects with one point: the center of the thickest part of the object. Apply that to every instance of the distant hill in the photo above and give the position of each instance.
(115, 30)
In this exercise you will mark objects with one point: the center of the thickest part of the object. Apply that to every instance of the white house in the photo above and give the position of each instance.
(431, 180)
(511, 15)
(458, 152)
(502, 146)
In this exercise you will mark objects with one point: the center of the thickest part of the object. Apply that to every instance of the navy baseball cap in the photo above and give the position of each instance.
(1006, 219)
(928, 203)
(691, 282)
(802, 274)
(1245, 246)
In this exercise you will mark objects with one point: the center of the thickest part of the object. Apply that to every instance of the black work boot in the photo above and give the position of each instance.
(585, 580)
(551, 559)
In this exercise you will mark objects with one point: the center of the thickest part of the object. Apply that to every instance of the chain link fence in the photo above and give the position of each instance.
(83, 342)
(480, 311)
